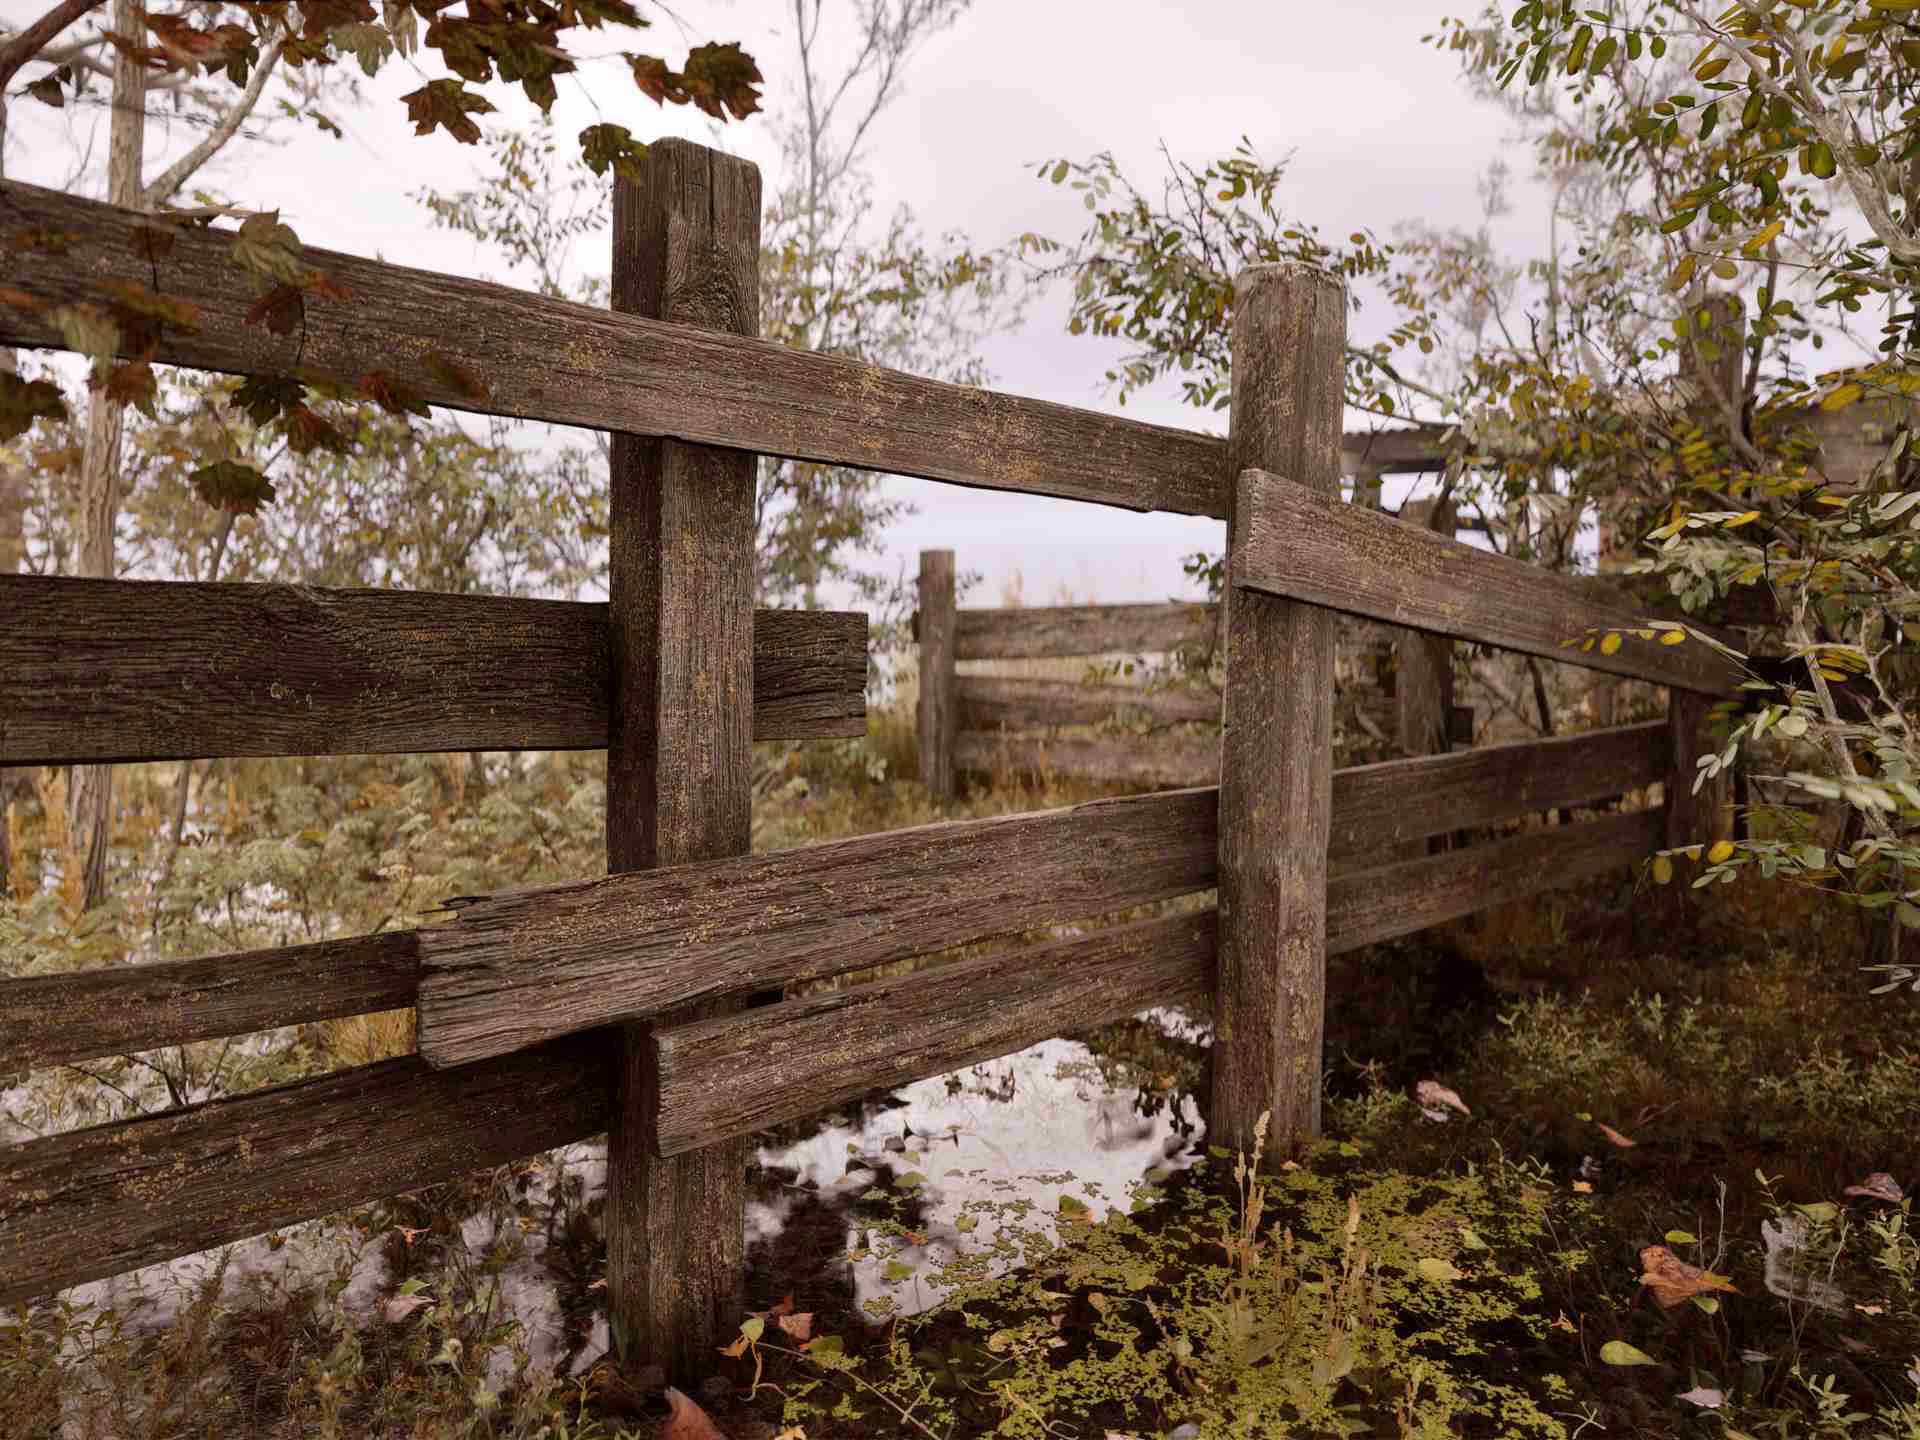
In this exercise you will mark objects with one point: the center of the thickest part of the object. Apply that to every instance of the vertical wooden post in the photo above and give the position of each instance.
(1423, 679)
(938, 713)
(686, 242)
(1688, 814)
(1276, 746)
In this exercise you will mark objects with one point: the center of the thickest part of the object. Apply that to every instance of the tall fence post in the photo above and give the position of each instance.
(938, 714)
(686, 241)
(1276, 745)
(1423, 675)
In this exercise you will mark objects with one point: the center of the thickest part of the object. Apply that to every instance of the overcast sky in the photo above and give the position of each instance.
(1381, 130)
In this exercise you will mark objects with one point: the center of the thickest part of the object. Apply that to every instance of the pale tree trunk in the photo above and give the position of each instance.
(99, 507)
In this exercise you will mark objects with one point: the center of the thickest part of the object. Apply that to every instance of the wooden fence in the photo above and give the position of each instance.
(981, 723)
(613, 1004)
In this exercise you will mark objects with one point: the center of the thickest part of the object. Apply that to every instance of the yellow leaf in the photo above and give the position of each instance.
(1587, 644)
(1843, 397)
(1662, 870)
(1746, 519)
(1673, 637)
(1722, 850)
(1610, 644)
(1683, 272)
(1765, 238)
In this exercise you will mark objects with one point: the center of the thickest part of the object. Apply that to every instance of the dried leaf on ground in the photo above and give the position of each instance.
(1673, 1281)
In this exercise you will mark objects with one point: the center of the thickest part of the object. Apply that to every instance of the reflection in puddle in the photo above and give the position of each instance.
(978, 1168)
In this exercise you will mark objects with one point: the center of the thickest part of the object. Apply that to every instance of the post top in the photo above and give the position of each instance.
(1285, 272)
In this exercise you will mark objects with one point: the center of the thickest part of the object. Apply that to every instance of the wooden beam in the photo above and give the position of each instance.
(732, 1077)
(1276, 741)
(1408, 450)
(53, 1019)
(1365, 907)
(686, 250)
(995, 702)
(101, 1201)
(934, 630)
(1050, 631)
(725, 1078)
(572, 364)
(122, 670)
(68, 1017)
(1311, 548)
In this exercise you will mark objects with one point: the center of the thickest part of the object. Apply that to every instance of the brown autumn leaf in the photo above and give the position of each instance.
(800, 1326)
(1878, 1186)
(1432, 1095)
(401, 1306)
(1615, 1137)
(1673, 1281)
(688, 1421)
(280, 310)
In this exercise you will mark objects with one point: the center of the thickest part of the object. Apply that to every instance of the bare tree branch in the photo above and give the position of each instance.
(32, 40)
(177, 174)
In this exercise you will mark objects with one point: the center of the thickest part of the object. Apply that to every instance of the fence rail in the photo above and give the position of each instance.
(112, 671)
(109, 671)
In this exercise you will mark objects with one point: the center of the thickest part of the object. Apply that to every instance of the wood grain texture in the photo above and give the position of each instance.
(1276, 742)
(1423, 685)
(994, 702)
(1044, 631)
(749, 1072)
(1314, 549)
(124, 670)
(686, 249)
(935, 711)
(730, 1077)
(50, 1020)
(517, 968)
(580, 365)
(100, 1201)
(1694, 817)
(1167, 762)
(65, 1018)
(1368, 906)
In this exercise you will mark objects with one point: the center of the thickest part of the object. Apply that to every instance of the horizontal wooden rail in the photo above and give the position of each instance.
(1164, 761)
(1308, 547)
(741, 1073)
(125, 670)
(572, 364)
(55, 1019)
(732, 1076)
(990, 702)
(109, 1199)
(64, 1018)
(519, 968)
(1051, 631)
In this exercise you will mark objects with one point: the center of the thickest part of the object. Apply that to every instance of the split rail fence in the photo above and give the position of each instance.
(615, 1004)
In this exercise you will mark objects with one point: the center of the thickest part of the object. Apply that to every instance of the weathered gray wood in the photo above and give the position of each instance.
(121, 670)
(730, 1077)
(576, 364)
(686, 249)
(53, 1019)
(994, 702)
(1165, 761)
(1045, 631)
(1276, 743)
(937, 712)
(517, 968)
(1365, 907)
(738, 1075)
(97, 1202)
(1693, 817)
(1309, 547)
(63, 1018)
(1423, 679)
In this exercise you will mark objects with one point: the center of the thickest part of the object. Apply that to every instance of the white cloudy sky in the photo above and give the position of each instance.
(1380, 127)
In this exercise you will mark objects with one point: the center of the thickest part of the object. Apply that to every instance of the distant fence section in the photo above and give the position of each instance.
(614, 1003)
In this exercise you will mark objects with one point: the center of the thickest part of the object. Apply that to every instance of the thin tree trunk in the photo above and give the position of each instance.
(99, 508)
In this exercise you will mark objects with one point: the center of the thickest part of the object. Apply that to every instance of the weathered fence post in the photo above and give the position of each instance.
(1423, 677)
(1276, 747)
(686, 242)
(937, 704)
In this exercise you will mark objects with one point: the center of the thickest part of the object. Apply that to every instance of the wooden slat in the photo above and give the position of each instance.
(936, 710)
(580, 365)
(1308, 547)
(101, 1201)
(58, 1019)
(1165, 761)
(515, 969)
(993, 702)
(729, 1077)
(1051, 631)
(734, 1076)
(1365, 907)
(53, 1019)
(122, 670)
